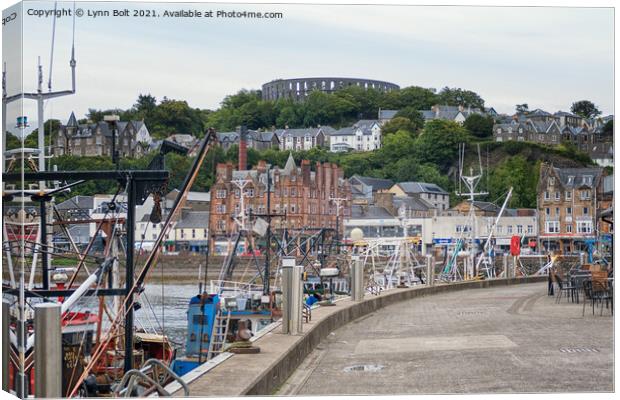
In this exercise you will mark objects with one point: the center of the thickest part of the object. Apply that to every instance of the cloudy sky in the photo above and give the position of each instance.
(546, 57)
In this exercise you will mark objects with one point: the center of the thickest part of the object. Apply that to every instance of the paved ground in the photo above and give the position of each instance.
(497, 340)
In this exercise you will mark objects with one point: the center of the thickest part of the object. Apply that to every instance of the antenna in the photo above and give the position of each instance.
(49, 81)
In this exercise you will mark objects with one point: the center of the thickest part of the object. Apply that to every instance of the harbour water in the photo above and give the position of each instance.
(162, 310)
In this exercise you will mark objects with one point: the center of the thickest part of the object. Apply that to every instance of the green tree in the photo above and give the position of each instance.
(585, 109)
(413, 115)
(438, 143)
(479, 125)
(399, 124)
(519, 173)
(521, 108)
(458, 96)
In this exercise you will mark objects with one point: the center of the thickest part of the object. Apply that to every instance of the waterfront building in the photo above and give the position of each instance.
(568, 202)
(300, 197)
(191, 231)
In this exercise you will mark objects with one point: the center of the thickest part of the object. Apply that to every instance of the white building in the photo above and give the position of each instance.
(365, 135)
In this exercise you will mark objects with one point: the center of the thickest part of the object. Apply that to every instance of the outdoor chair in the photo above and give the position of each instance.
(564, 287)
(602, 292)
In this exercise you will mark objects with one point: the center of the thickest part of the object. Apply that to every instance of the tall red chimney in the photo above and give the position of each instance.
(243, 148)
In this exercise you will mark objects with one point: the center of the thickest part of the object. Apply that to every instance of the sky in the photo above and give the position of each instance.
(547, 57)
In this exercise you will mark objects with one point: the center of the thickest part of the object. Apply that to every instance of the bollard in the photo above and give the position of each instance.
(296, 300)
(292, 297)
(5, 345)
(430, 270)
(357, 279)
(47, 351)
(506, 267)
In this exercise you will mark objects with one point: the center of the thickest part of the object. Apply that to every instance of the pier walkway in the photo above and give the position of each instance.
(471, 337)
(498, 340)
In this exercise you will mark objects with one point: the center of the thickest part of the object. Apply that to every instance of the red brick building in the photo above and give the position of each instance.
(303, 194)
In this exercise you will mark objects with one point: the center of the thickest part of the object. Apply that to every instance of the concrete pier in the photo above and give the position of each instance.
(281, 354)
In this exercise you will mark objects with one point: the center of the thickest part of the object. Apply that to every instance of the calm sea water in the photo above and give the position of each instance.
(161, 311)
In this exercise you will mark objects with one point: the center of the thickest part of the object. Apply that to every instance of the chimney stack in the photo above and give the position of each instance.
(305, 172)
(243, 148)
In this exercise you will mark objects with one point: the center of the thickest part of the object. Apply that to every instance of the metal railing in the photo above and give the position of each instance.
(153, 375)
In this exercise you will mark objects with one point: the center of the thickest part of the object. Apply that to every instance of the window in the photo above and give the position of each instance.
(293, 192)
(249, 192)
(530, 229)
(519, 228)
(237, 193)
(585, 195)
(584, 226)
(569, 211)
(569, 228)
(293, 208)
(552, 181)
(509, 229)
(221, 225)
(182, 234)
(570, 180)
(458, 228)
(193, 233)
(569, 195)
(546, 195)
(154, 236)
(587, 179)
(557, 211)
(220, 194)
(552, 227)
(500, 228)
(557, 196)
(547, 211)
(204, 233)
(585, 211)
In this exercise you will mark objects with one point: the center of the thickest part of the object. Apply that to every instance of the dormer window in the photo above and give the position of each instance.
(552, 181)
(570, 180)
(587, 180)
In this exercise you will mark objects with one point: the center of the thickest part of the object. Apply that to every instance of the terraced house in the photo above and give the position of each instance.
(568, 200)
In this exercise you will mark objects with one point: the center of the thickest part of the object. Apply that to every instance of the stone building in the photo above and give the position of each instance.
(303, 138)
(255, 139)
(568, 200)
(562, 127)
(300, 197)
(95, 139)
(299, 88)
